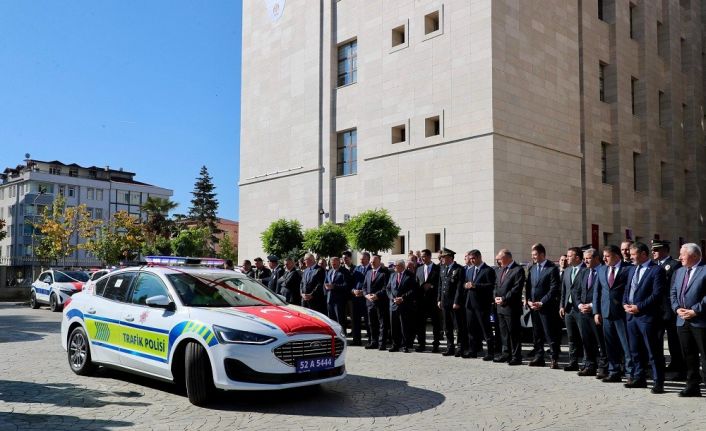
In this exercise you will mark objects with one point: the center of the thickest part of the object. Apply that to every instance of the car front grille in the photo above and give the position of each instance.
(290, 352)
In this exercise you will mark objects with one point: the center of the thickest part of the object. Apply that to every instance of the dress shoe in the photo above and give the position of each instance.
(554, 364)
(640, 383)
(488, 357)
(458, 353)
(516, 361)
(588, 371)
(536, 362)
(468, 355)
(394, 349)
(690, 392)
(435, 348)
(612, 378)
(419, 349)
(571, 367)
(406, 350)
(371, 346)
(449, 352)
(501, 358)
(601, 374)
(531, 354)
(657, 389)
(382, 347)
(355, 343)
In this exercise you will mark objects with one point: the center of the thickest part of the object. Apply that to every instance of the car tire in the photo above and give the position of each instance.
(79, 353)
(197, 374)
(33, 301)
(54, 303)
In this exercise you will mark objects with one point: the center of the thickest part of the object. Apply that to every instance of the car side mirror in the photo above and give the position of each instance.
(160, 301)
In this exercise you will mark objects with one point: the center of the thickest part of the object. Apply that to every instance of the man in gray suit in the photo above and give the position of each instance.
(570, 296)
(688, 294)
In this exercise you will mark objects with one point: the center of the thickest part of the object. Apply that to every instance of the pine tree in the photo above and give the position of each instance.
(204, 205)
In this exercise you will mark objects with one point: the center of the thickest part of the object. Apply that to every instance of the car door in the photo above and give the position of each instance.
(147, 328)
(42, 287)
(102, 317)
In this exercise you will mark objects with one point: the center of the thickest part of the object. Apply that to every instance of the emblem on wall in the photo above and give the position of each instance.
(275, 8)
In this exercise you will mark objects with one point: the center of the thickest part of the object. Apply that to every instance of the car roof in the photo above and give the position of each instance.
(181, 269)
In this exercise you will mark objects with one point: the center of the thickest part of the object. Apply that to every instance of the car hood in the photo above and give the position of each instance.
(290, 320)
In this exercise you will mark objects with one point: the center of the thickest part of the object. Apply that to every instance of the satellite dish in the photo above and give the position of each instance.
(27, 156)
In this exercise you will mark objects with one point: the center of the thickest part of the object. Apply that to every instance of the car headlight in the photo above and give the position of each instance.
(236, 336)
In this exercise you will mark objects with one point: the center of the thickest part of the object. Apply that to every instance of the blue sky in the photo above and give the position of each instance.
(149, 86)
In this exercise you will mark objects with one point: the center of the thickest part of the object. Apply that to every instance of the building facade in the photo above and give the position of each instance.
(477, 124)
(29, 188)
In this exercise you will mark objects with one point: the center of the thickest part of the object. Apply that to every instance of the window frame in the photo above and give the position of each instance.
(347, 54)
(351, 151)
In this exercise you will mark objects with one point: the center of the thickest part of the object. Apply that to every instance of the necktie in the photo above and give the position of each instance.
(590, 285)
(502, 276)
(475, 271)
(684, 286)
(399, 277)
(633, 284)
(611, 277)
(574, 270)
(375, 272)
(426, 272)
(539, 270)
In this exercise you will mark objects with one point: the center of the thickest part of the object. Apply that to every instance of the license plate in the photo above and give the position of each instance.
(314, 364)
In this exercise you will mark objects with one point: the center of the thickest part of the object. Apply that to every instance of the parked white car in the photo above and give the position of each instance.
(53, 287)
(202, 327)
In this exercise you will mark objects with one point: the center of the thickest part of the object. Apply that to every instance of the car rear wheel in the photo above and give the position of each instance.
(33, 301)
(197, 375)
(54, 303)
(79, 353)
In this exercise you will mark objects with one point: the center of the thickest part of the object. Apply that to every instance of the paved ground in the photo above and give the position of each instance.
(383, 391)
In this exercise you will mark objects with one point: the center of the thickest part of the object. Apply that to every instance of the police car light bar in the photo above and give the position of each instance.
(182, 260)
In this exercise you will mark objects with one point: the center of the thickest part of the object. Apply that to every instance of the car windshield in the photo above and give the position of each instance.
(221, 290)
(70, 276)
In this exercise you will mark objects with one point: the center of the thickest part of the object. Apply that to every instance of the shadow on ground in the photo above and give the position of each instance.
(21, 421)
(18, 328)
(64, 395)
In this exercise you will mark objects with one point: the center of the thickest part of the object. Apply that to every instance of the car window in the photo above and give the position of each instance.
(100, 286)
(147, 286)
(118, 286)
(46, 277)
(70, 276)
(98, 274)
(220, 290)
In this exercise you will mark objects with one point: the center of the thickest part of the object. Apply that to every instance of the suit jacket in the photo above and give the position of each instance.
(569, 288)
(546, 288)
(340, 279)
(377, 286)
(313, 283)
(451, 281)
(481, 296)
(274, 277)
(586, 290)
(288, 285)
(405, 289)
(359, 276)
(429, 289)
(694, 296)
(648, 292)
(263, 275)
(510, 288)
(608, 301)
(670, 266)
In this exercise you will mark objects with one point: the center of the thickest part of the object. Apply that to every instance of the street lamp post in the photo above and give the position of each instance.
(34, 216)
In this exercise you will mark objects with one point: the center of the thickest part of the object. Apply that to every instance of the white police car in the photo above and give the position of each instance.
(202, 327)
(54, 287)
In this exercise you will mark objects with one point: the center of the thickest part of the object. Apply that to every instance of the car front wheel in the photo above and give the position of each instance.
(33, 301)
(54, 303)
(197, 375)
(79, 352)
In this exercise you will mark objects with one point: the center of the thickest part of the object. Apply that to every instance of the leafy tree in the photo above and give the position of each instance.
(192, 242)
(372, 230)
(161, 246)
(328, 240)
(157, 223)
(204, 205)
(118, 239)
(3, 234)
(228, 249)
(58, 224)
(282, 237)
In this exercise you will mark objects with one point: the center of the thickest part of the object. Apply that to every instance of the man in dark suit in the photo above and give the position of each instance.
(642, 302)
(595, 360)
(542, 293)
(609, 314)
(359, 312)
(451, 280)
(289, 283)
(428, 281)
(568, 308)
(688, 294)
(375, 292)
(660, 254)
(510, 279)
(479, 285)
(262, 273)
(277, 271)
(336, 286)
(400, 291)
(625, 250)
(312, 285)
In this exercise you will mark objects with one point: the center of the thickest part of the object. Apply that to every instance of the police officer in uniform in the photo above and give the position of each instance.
(451, 279)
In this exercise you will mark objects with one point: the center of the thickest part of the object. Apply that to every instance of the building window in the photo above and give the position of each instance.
(62, 190)
(432, 126)
(55, 170)
(399, 35)
(637, 183)
(662, 39)
(604, 162)
(431, 22)
(601, 15)
(601, 82)
(99, 213)
(348, 63)
(134, 198)
(633, 95)
(633, 11)
(72, 192)
(92, 173)
(99, 194)
(73, 172)
(684, 55)
(347, 153)
(90, 193)
(399, 134)
(662, 114)
(433, 241)
(399, 246)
